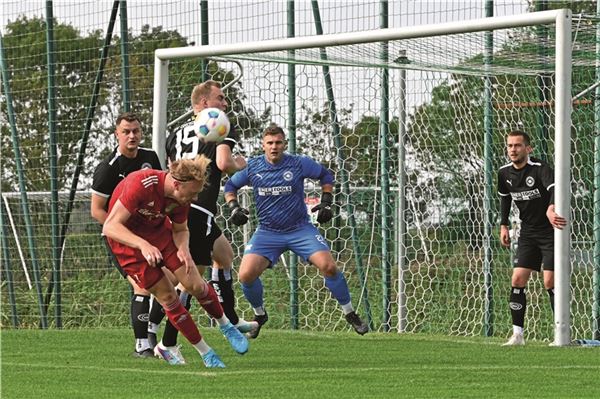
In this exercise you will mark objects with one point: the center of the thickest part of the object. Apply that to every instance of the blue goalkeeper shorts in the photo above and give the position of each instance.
(304, 241)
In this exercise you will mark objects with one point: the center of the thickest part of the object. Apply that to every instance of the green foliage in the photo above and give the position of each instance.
(77, 64)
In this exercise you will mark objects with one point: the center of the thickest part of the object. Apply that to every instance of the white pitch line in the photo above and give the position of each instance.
(179, 369)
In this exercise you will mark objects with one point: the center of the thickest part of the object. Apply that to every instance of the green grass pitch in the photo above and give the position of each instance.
(292, 364)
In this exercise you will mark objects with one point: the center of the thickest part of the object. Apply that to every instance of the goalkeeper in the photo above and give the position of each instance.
(277, 179)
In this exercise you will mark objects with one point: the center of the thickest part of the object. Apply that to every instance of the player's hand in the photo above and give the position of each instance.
(504, 236)
(186, 259)
(557, 221)
(239, 215)
(152, 255)
(240, 162)
(324, 208)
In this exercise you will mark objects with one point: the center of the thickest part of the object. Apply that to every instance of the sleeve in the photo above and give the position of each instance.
(314, 170)
(237, 181)
(154, 161)
(505, 200)
(180, 214)
(547, 178)
(232, 139)
(104, 180)
(170, 147)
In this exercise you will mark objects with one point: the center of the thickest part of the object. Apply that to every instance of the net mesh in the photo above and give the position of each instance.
(445, 241)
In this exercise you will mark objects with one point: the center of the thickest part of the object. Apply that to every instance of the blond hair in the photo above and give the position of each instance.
(191, 169)
(203, 90)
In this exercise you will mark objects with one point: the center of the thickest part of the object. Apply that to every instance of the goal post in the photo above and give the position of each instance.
(560, 19)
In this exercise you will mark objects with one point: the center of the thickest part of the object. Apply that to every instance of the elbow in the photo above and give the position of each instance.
(227, 167)
(95, 215)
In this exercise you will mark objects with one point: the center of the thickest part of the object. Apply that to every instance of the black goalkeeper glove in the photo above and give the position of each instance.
(325, 214)
(239, 215)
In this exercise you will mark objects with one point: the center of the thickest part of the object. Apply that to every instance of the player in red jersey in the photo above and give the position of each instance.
(147, 229)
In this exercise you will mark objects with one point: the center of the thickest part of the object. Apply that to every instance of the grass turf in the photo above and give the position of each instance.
(285, 364)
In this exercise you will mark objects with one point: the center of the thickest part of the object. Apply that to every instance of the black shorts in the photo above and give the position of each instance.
(203, 234)
(534, 250)
(113, 258)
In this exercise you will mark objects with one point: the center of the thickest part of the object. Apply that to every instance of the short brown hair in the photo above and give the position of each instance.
(517, 133)
(273, 130)
(202, 90)
(129, 117)
(191, 169)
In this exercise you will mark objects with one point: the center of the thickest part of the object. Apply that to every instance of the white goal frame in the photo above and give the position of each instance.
(562, 22)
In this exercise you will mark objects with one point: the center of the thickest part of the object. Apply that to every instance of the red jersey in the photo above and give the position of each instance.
(143, 194)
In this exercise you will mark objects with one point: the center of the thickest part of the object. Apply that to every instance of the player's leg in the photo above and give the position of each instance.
(195, 285)
(139, 309)
(200, 250)
(336, 283)
(546, 244)
(528, 259)
(262, 252)
(167, 348)
(154, 280)
(549, 285)
(222, 282)
(179, 316)
(518, 304)
(310, 245)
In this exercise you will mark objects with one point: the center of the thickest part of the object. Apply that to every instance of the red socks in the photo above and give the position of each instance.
(210, 303)
(182, 320)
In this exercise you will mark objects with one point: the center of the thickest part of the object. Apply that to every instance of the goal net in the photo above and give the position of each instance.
(412, 123)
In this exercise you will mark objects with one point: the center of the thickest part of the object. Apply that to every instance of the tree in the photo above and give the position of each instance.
(25, 49)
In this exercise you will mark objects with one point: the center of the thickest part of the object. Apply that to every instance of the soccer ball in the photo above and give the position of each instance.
(211, 125)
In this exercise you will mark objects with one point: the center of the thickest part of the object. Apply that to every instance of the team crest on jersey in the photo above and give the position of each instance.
(288, 175)
(530, 181)
(146, 165)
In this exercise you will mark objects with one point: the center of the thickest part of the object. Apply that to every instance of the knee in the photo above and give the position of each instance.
(196, 287)
(246, 277)
(329, 269)
(167, 298)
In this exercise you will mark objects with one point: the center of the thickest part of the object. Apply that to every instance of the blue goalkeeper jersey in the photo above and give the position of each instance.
(279, 189)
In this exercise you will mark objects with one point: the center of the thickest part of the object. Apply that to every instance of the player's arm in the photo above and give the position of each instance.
(505, 203)
(227, 162)
(315, 170)
(181, 238)
(98, 208)
(239, 215)
(557, 221)
(114, 227)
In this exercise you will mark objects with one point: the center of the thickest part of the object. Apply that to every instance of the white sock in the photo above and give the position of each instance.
(259, 311)
(153, 327)
(347, 308)
(141, 344)
(222, 320)
(202, 347)
(517, 330)
(214, 274)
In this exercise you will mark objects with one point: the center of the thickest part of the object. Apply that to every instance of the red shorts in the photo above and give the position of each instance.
(137, 266)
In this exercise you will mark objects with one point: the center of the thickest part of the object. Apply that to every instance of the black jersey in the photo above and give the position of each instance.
(116, 166)
(183, 143)
(531, 188)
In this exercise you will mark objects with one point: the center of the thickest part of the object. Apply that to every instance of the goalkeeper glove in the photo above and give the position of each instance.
(239, 215)
(325, 214)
